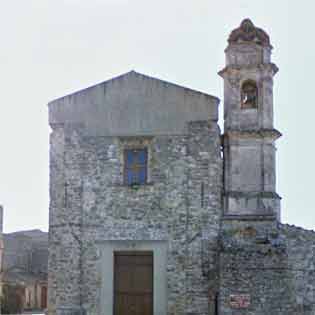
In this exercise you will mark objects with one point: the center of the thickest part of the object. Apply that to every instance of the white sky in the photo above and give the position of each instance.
(53, 47)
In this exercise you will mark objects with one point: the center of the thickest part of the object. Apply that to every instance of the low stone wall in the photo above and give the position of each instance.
(300, 246)
(266, 269)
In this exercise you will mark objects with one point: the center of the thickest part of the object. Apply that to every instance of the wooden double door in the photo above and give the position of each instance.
(133, 283)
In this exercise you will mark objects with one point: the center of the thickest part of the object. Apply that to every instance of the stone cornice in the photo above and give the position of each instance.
(234, 69)
(56, 126)
(252, 194)
(273, 134)
(249, 217)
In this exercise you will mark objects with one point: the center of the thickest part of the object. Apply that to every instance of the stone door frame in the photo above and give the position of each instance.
(159, 249)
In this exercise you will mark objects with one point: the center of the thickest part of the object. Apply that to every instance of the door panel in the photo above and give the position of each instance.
(44, 298)
(133, 283)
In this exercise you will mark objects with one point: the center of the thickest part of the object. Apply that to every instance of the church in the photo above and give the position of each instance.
(155, 211)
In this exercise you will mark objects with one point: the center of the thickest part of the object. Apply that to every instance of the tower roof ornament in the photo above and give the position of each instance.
(248, 32)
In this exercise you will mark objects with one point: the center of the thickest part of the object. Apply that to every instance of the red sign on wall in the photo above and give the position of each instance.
(239, 300)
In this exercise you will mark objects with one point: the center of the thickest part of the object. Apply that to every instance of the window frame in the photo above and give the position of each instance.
(127, 168)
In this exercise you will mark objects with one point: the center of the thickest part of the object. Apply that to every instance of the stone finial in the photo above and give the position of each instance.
(248, 32)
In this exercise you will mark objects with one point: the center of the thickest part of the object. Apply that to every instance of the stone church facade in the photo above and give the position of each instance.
(154, 211)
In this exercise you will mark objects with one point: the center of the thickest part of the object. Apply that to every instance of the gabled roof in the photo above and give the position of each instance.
(144, 76)
(133, 104)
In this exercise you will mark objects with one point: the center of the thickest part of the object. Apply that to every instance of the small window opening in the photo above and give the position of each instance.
(249, 95)
(135, 168)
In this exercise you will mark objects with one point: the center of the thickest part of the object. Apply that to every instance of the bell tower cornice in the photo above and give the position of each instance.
(260, 134)
(268, 69)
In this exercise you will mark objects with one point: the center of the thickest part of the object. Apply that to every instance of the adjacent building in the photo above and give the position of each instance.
(24, 273)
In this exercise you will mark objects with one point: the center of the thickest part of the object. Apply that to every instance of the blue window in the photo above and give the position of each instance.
(135, 170)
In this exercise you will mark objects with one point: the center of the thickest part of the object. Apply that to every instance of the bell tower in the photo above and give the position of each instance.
(249, 135)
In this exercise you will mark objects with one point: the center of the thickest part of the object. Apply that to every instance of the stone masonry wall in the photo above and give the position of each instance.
(253, 263)
(301, 266)
(272, 265)
(181, 204)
